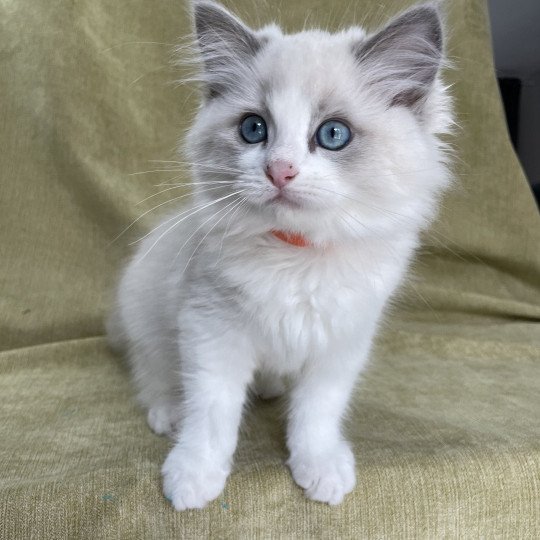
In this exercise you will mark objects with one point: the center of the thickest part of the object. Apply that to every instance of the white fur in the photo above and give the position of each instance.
(211, 297)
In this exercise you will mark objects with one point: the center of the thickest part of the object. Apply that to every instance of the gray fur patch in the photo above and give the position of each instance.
(225, 42)
(406, 55)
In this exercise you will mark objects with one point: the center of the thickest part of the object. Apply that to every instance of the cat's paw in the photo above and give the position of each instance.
(163, 419)
(326, 477)
(189, 482)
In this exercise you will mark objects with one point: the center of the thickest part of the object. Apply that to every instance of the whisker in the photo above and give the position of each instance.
(206, 166)
(206, 182)
(204, 237)
(178, 186)
(176, 223)
(138, 173)
(140, 77)
(200, 227)
(200, 164)
(193, 209)
(162, 224)
(135, 43)
(242, 202)
(146, 213)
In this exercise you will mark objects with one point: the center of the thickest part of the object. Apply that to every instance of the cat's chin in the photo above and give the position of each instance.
(294, 200)
(283, 200)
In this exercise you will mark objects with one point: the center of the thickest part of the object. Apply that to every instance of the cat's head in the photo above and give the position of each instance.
(329, 135)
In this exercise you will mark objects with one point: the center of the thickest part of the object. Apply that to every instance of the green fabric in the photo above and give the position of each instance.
(446, 422)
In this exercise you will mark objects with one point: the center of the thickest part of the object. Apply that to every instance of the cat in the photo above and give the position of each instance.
(317, 161)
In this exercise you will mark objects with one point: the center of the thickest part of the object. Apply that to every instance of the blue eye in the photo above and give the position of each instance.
(253, 129)
(333, 135)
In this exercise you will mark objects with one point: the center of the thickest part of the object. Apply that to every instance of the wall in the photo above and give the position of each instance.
(515, 26)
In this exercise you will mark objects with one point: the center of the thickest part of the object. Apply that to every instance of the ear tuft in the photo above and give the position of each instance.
(403, 59)
(225, 43)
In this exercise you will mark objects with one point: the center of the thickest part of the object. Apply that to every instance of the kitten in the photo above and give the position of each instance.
(317, 163)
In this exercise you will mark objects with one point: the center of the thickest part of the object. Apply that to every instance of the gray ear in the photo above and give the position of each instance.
(404, 58)
(225, 42)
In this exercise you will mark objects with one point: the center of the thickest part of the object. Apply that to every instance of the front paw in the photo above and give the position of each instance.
(326, 477)
(190, 482)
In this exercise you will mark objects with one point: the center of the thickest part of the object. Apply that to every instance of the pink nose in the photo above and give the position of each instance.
(281, 172)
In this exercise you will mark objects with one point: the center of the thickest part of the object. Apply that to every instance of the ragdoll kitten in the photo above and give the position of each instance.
(316, 163)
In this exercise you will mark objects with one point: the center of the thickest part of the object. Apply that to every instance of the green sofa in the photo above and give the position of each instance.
(446, 422)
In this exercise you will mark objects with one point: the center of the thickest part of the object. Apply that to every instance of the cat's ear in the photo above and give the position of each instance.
(402, 60)
(225, 42)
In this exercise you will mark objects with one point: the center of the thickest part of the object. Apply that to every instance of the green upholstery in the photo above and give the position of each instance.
(446, 422)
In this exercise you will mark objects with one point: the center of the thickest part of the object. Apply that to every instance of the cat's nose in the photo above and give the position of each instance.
(280, 172)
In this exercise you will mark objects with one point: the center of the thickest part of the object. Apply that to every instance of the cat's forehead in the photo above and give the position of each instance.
(315, 68)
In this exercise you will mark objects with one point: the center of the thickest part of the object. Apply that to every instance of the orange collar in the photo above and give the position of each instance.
(294, 239)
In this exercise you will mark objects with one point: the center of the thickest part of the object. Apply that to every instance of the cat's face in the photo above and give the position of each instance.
(330, 135)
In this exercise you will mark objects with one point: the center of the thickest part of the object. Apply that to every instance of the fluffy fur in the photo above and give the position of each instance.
(212, 299)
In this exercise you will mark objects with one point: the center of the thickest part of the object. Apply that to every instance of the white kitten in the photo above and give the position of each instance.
(318, 163)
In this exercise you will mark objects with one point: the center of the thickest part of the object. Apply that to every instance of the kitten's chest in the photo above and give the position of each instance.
(302, 302)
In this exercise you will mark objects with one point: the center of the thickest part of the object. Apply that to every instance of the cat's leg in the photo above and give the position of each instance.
(216, 371)
(154, 366)
(321, 460)
(153, 359)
